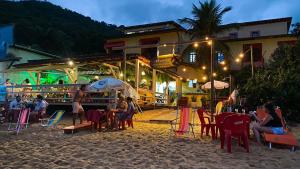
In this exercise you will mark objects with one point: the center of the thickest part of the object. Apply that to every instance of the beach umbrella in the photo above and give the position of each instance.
(217, 84)
(108, 84)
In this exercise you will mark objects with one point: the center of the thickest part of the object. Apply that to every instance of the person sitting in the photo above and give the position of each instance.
(270, 124)
(122, 110)
(15, 106)
(40, 107)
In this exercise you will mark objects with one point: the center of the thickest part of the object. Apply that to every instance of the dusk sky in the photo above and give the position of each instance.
(132, 12)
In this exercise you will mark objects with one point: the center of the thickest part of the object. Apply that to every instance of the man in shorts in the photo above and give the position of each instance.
(78, 110)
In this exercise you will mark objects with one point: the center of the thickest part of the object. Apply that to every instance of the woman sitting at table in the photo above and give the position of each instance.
(270, 124)
(122, 106)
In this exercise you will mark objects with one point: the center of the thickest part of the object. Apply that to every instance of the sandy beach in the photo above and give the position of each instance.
(148, 145)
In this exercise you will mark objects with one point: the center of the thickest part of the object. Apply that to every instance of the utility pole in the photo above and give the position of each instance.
(212, 89)
(252, 65)
(124, 71)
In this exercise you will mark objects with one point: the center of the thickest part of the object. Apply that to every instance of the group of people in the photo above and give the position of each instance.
(124, 108)
(38, 108)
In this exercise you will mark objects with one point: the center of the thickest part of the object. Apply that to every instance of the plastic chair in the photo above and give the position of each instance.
(288, 138)
(206, 125)
(53, 120)
(22, 121)
(184, 123)
(235, 126)
(219, 107)
(219, 122)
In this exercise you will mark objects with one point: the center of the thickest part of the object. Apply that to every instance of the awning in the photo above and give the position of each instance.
(114, 44)
(149, 41)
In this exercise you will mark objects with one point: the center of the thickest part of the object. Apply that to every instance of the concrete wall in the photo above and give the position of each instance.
(269, 29)
(18, 77)
(268, 48)
(135, 40)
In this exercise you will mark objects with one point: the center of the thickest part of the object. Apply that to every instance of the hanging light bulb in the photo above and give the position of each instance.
(121, 74)
(196, 45)
(143, 73)
(71, 63)
(237, 60)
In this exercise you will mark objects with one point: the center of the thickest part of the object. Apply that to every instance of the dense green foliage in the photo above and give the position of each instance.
(279, 81)
(50, 28)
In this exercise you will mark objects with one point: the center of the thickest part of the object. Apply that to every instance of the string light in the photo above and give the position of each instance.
(196, 45)
(214, 74)
(237, 60)
(97, 77)
(223, 63)
(143, 73)
(165, 45)
(71, 63)
(204, 78)
(121, 75)
(241, 55)
(206, 38)
(225, 68)
(209, 43)
(184, 69)
(203, 67)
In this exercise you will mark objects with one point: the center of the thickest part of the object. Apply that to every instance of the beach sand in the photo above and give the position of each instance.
(148, 145)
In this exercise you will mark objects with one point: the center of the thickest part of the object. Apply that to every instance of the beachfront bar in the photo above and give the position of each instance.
(57, 78)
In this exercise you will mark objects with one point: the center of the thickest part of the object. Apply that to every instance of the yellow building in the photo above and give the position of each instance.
(154, 40)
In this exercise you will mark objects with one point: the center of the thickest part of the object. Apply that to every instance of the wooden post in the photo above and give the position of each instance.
(38, 81)
(178, 87)
(154, 84)
(137, 74)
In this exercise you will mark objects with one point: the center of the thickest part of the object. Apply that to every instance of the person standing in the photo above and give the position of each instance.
(27, 87)
(78, 110)
(9, 90)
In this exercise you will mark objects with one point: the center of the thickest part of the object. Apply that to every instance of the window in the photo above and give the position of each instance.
(233, 35)
(254, 34)
(193, 57)
(257, 52)
(151, 52)
(192, 83)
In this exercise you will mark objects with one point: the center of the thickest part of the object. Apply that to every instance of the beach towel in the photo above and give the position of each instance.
(184, 121)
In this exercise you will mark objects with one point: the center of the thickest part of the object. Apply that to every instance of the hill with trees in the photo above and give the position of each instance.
(50, 28)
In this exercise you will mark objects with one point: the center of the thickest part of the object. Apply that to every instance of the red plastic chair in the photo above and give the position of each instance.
(236, 126)
(204, 125)
(219, 122)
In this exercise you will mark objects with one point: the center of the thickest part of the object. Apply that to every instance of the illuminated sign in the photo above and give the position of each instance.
(165, 61)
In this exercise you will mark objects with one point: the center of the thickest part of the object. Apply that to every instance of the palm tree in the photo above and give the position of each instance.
(207, 22)
(207, 19)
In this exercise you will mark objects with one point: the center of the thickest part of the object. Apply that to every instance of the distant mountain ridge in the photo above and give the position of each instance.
(50, 28)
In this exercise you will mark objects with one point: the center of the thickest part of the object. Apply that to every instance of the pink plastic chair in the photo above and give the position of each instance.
(235, 126)
(23, 120)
